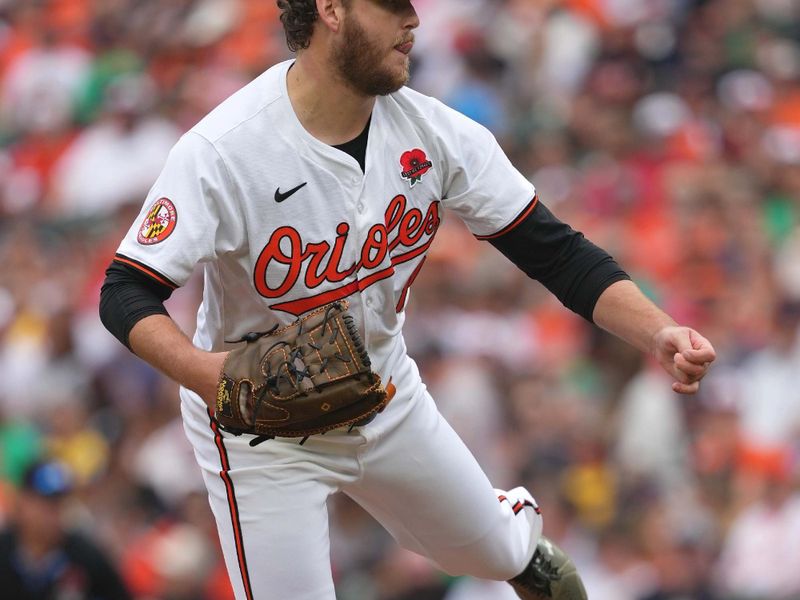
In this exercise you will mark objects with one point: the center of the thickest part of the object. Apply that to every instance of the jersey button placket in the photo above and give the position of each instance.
(361, 227)
(361, 205)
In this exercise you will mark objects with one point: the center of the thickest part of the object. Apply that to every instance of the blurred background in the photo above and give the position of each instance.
(667, 130)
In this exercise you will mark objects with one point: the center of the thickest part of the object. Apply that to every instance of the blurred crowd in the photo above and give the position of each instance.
(666, 130)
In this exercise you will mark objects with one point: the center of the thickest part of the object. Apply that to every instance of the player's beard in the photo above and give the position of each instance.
(359, 62)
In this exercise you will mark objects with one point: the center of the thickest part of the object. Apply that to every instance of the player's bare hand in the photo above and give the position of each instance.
(684, 354)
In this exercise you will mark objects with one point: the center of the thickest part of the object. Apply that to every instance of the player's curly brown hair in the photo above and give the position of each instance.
(298, 18)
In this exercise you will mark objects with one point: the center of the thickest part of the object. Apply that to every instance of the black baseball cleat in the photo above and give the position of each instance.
(551, 575)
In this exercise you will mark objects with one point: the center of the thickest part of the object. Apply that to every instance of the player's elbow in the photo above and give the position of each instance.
(125, 299)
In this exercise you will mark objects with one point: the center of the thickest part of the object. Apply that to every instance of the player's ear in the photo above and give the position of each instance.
(331, 13)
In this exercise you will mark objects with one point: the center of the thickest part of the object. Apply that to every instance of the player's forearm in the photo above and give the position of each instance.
(560, 258)
(159, 341)
(625, 311)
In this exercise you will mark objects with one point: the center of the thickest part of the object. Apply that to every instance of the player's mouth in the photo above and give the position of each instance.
(405, 47)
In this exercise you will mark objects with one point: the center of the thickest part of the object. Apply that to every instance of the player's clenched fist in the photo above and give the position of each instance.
(684, 354)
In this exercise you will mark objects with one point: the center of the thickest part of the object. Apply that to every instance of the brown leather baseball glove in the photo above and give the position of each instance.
(308, 377)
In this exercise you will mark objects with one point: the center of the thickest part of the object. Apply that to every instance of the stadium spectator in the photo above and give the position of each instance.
(40, 557)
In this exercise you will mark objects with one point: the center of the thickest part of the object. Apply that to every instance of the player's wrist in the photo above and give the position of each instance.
(203, 378)
(660, 341)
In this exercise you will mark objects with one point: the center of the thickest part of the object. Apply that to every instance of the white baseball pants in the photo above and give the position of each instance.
(407, 468)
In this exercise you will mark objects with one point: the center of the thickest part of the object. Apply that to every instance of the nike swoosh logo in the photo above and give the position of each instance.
(281, 196)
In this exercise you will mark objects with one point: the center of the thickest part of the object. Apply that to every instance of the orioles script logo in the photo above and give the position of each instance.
(401, 230)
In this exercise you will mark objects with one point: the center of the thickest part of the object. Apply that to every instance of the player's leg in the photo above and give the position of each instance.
(270, 508)
(423, 484)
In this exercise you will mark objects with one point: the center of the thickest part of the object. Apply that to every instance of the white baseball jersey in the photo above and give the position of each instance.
(223, 200)
(285, 223)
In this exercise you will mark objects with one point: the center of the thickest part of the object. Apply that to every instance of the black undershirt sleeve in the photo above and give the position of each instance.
(562, 259)
(128, 296)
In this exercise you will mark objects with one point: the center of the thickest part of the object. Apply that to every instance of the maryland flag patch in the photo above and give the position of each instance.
(159, 222)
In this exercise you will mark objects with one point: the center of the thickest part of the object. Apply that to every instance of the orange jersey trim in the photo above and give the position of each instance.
(146, 270)
(521, 217)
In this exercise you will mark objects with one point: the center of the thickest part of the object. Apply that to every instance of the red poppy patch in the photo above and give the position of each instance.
(159, 222)
(415, 164)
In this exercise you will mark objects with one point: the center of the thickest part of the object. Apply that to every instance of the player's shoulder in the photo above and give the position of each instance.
(242, 106)
(435, 116)
(417, 105)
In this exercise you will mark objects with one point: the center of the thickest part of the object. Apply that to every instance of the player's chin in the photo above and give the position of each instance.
(400, 59)
(392, 80)
(401, 70)
(402, 78)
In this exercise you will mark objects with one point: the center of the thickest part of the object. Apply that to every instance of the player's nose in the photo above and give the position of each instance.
(412, 19)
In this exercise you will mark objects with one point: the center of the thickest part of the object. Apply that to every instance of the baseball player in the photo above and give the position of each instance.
(325, 180)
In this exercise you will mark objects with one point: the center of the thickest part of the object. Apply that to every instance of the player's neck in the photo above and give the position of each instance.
(326, 107)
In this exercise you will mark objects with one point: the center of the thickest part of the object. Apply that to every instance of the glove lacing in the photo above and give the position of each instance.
(294, 376)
